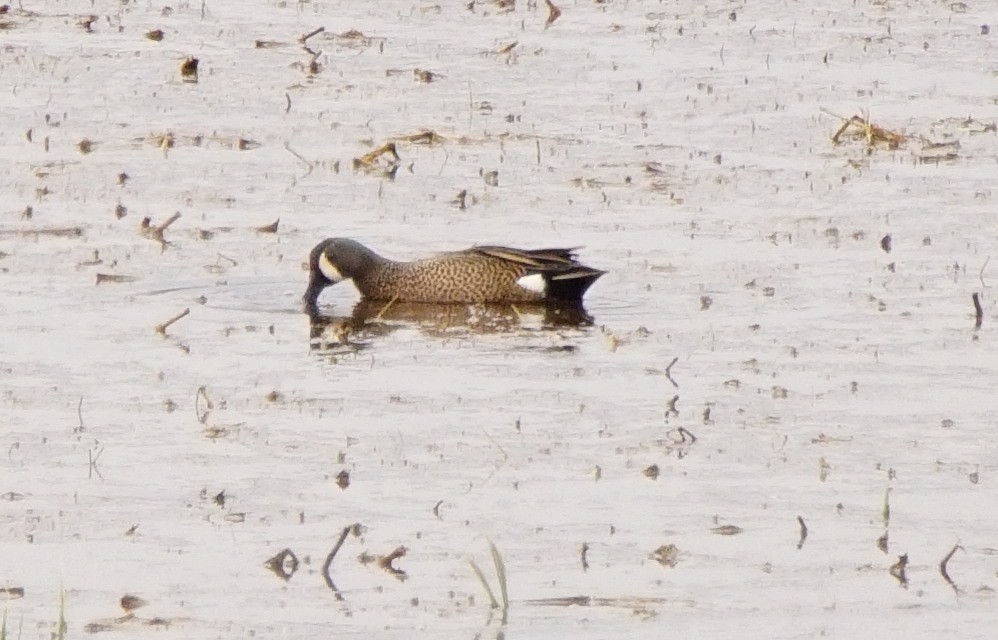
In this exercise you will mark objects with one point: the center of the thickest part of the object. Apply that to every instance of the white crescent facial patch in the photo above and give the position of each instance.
(329, 270)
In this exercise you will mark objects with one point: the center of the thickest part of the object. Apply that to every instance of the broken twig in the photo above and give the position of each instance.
(898, 570)
(553, 14)
(156, 233)
(329, 561)
(668, 372)
(942, 567)
(314, 32)
(803, 532)
(385, 562)
(163, 326)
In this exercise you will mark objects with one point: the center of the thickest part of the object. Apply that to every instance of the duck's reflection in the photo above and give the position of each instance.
(371, 320)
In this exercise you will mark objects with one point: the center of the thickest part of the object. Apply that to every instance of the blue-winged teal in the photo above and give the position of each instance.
(476, 275)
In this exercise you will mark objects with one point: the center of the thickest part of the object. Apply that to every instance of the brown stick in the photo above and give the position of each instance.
(308, 35)
(898, 570)
(163, 326)
(668, 372)
(942, 568)
(329, 561)
(64, 232)
(156, 233)
(161, 228)
(385, 562)
(978, 310)
(553, 14)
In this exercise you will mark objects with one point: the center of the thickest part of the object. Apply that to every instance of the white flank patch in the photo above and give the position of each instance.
(535, 283)
(331, 272)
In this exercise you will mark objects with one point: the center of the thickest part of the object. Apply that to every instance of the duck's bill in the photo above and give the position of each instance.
(315, 286)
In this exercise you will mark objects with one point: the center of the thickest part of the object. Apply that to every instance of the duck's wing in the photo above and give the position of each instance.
(535, 260)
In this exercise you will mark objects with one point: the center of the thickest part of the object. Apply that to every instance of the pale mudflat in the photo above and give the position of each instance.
(687, 147)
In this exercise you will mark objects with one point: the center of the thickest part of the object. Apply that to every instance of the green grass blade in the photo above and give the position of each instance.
(60, 632)
(485, 584)
(501, 573)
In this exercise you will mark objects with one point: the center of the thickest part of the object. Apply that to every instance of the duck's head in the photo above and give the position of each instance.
(334, 260)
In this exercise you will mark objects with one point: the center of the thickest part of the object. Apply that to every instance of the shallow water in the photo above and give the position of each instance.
(686, 146)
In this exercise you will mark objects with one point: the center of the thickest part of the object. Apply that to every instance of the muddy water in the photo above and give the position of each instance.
(687, 147)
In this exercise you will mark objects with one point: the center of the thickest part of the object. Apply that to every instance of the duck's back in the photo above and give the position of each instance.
(463, 277)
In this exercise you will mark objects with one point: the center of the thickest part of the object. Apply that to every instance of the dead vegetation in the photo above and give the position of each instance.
(169, 140)
(553, 13)
(163, 326)
(156, 232)
(284, 565)
(383, 161)
(113, 277)
(269, 228)
(386, 562)
(189, 70)
(129, 603)
(666, 555)
(57, 232)
(859, 128)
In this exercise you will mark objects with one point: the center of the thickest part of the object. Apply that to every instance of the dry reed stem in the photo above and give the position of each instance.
(329, 561)
(163, 326)
(861, 127)
(942, 567)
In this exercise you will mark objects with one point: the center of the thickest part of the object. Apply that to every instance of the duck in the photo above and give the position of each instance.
(479, 274)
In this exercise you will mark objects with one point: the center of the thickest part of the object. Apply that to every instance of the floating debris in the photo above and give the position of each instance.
(284, 564)
(163, 326)
(244, 144)
(423, 137)
(113, 277)
(87, 23)
(385, 562)
(803, 532)
(343, 479)
(329, 561)
(860, 128)
(60, 232)
(553, 13)
(147, 229)
(384, 160)
(425, 76)
(899, 570)
(269, 228)
(131, 602)
(189, 69)
(942, 567)
(667, 555)
(727, 530)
